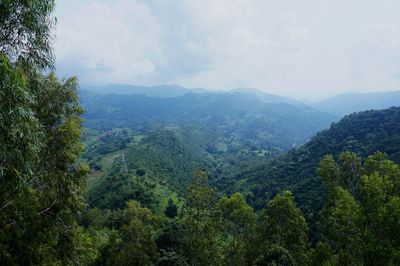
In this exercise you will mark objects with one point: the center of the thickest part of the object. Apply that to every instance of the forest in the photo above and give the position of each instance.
(227, 178)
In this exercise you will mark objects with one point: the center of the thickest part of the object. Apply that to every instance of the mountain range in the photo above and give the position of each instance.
(338, 105)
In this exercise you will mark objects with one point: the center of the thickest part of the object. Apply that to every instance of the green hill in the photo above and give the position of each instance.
(362, 133)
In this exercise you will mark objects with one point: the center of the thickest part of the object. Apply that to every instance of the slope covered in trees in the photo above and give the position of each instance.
(358, 224)
(241, 235)
(362, 133)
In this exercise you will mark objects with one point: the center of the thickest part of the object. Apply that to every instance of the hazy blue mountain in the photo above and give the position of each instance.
(353, 102)
(168, 91)
(164, 91)
(267, 97)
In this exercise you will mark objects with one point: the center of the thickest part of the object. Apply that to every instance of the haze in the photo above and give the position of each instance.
(304, 49)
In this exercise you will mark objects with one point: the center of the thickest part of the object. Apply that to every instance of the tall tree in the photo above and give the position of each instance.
(342, 220)
(380, 200)
(284, 225)
(132, 243)
(201, 222)
(41, 186)
(239, 226)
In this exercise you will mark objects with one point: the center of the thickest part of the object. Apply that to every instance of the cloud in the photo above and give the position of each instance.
(109, 42)
(310, 48)
(375, 55)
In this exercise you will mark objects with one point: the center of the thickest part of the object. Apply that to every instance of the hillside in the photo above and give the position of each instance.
(136, 144)
(344, 104)
(362, 133)
(153, 168)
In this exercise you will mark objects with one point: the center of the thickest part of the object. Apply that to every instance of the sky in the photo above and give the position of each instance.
(308, 49)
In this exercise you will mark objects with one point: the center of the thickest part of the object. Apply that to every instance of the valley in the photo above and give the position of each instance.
(250, 149)
(259, 145)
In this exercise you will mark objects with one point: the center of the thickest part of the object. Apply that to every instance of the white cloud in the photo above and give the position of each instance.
(375, 56)
(110, 42)
(310, 48)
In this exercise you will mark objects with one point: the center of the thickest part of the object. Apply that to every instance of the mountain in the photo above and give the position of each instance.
(164, 91)
(267, 97)
(165, 139)
(239, 117)
(354, 102)
(363, 133)
(167, 91)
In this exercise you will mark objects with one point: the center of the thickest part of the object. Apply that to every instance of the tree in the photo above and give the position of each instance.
(329, 171)
(201, 222)
(351, 171)
(239, 227)
(171, 210)
(342, 219)
(322, 255)
(284, 226)
(25, 31)
(275, 255)
(345, 174)
(132, 242)
(379, 199)
(41, 185)
(360, 222)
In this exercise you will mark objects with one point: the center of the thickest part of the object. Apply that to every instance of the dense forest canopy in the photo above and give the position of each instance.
(238, 178)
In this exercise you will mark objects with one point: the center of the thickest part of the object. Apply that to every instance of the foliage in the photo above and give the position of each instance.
(201, 222)
(360, 220)
(285, 226)
(276, 255)
(342, 226)
(132, 241)
(239, 226)
(117, 189)
(41, 186)
(25, 31)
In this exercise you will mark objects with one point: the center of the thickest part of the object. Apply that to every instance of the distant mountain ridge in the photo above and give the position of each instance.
(171, 91)
(163, 91)
(338, 105)
(354, 102)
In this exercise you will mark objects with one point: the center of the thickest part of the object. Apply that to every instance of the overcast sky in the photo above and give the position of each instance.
(304, 49)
